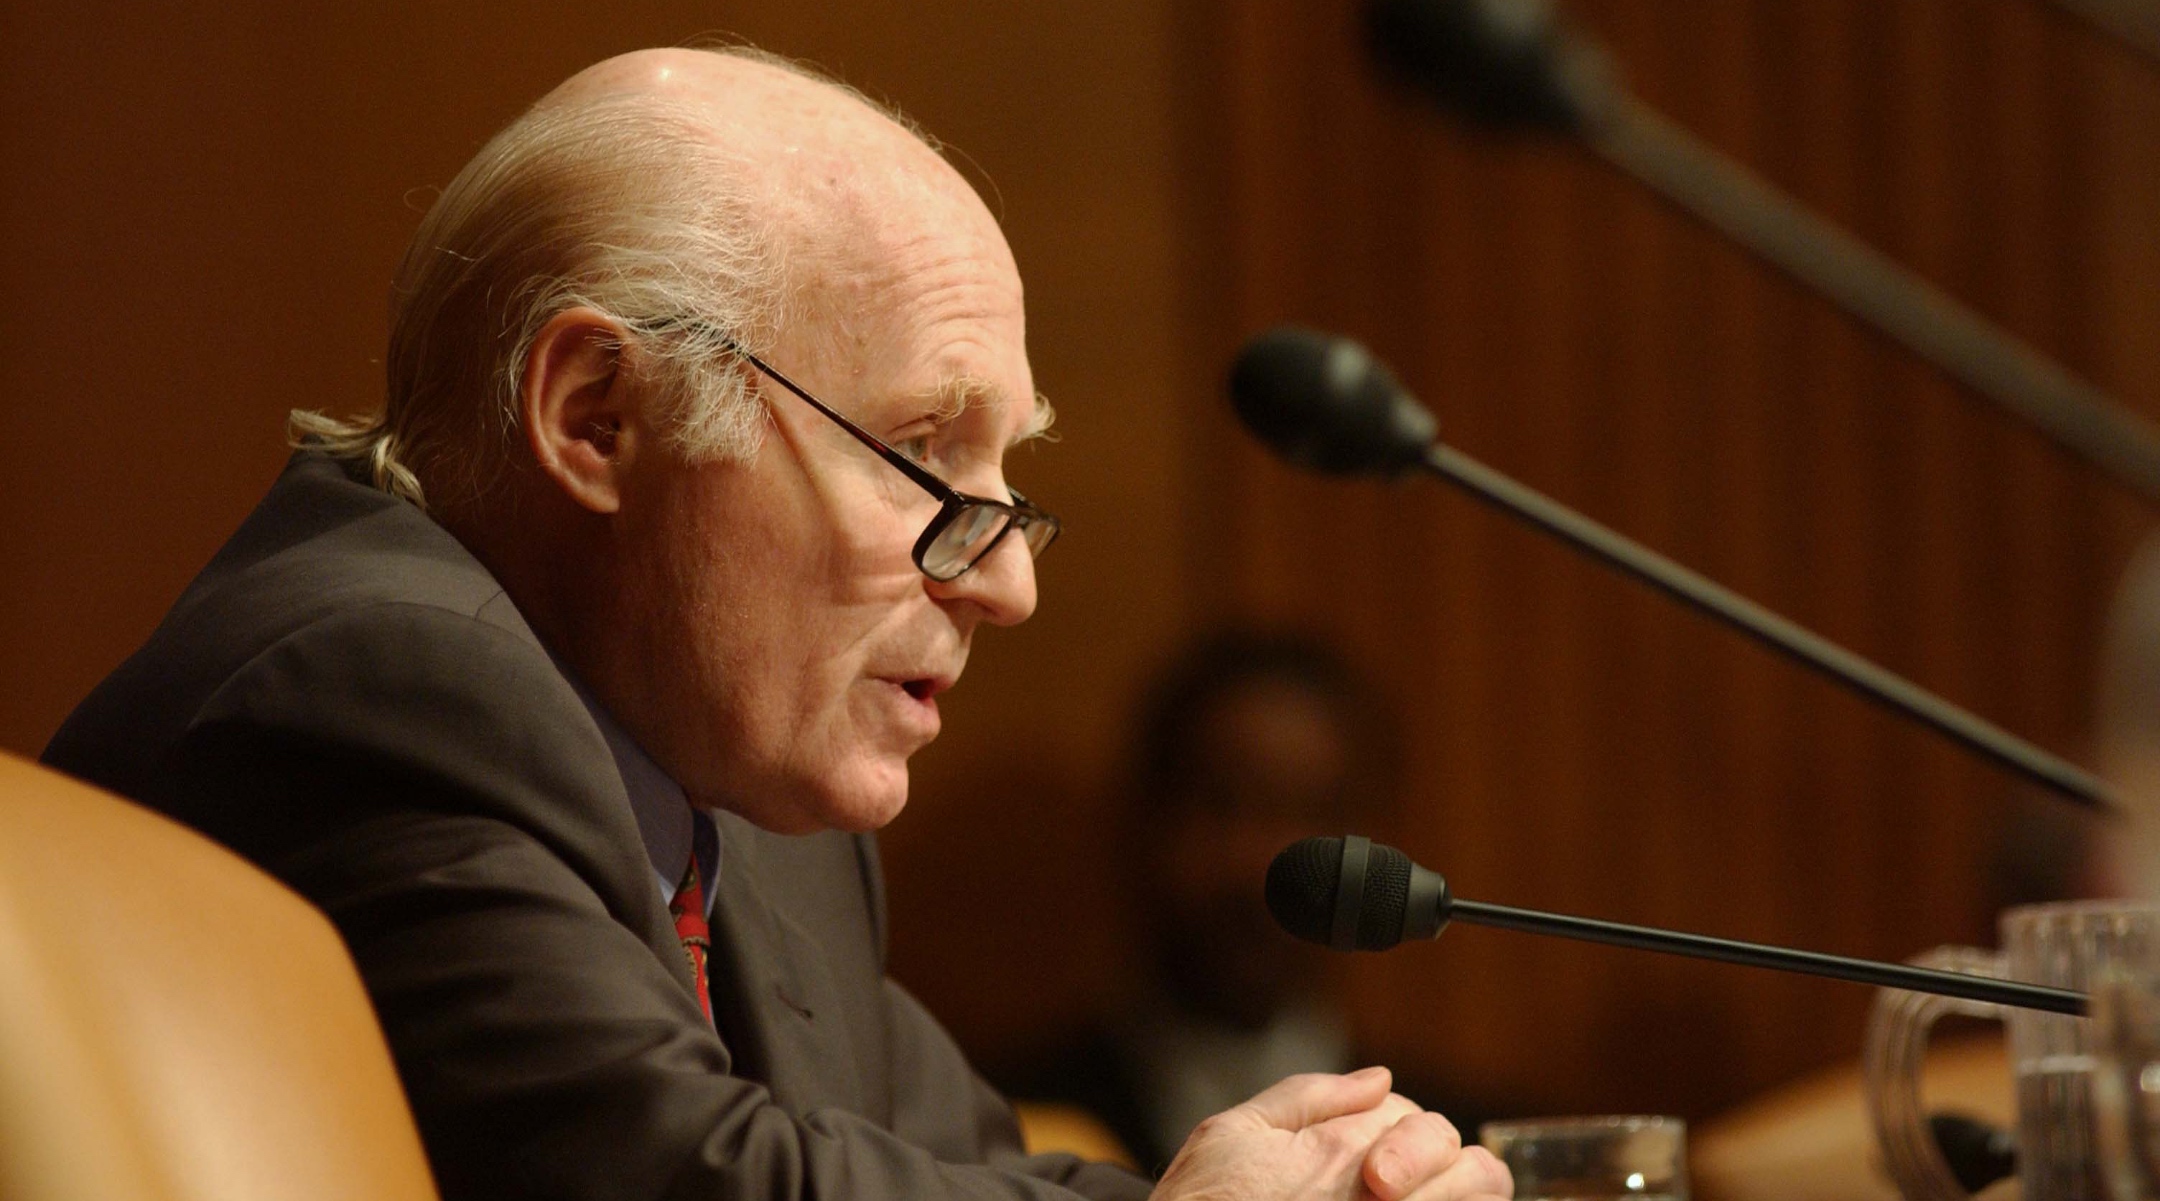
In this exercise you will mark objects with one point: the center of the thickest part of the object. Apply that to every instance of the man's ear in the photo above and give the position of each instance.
(580, 417)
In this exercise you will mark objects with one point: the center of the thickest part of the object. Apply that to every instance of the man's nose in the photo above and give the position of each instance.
(1001, 584)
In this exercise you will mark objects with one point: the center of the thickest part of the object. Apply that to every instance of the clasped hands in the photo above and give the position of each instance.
(1325, 1136)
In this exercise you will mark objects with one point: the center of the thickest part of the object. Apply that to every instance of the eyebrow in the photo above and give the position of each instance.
(960, 393)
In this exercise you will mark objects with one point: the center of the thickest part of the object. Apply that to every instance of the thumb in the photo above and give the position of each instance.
(1300, 1101)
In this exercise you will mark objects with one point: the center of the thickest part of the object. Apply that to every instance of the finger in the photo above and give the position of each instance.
(1417, 1147)
(1352, 1135)
(1367, 1125)
(1396, 1107)
(1300, 1101)
(1475, 1173)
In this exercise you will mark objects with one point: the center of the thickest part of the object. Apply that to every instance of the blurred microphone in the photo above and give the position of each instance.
(1513, 64)
(1353, 894)
(1505, 63)
(1325, 403)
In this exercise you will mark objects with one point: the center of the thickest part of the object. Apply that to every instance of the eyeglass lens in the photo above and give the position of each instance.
(971, 534)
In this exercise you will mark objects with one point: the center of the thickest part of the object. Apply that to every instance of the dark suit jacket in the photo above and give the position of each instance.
(349, 699)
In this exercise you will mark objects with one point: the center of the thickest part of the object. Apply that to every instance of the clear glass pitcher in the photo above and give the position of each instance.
(2066, 945)
(2126, 1080)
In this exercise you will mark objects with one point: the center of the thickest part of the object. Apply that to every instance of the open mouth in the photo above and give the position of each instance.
(921, 690)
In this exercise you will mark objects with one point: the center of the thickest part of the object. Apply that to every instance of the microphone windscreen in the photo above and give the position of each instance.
(1500, 62)
(1301, 885)
(1305, 877)
(1387, 898)
(1324, 403)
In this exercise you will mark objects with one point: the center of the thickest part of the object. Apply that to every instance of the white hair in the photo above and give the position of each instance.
(629, 205)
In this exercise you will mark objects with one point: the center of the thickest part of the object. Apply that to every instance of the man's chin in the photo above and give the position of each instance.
(855, 802)
(876, 797)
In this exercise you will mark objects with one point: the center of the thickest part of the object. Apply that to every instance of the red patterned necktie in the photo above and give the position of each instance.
(688, 908)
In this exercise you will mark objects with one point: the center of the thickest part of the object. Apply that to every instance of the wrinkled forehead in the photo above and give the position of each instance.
(896, 266)
(864, 205)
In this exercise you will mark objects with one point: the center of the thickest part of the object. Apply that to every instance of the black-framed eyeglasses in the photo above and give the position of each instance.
(966, 527)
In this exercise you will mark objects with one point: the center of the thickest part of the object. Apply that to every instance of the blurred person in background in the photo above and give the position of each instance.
(1246, 742)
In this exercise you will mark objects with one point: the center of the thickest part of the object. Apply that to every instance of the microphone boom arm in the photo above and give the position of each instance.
(1787, 959)
(1707, 596)
(1869, 284)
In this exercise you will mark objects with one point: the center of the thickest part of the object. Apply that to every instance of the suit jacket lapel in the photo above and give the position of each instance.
(774, 998)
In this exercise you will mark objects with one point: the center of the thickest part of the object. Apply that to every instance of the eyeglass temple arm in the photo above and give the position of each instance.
(907, 466)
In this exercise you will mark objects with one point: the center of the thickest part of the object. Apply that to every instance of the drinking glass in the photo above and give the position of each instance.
(1594, 1158)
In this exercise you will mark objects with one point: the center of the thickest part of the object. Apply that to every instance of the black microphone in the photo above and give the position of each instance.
(1978, 1152)
(1507, 63)
(1324, 401)
(1352, 894)
(1512, 63)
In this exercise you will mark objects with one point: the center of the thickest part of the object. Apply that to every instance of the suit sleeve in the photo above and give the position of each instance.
(934, 1068)
(431, 782)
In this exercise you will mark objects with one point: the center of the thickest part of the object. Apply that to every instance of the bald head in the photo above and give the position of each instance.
(746, 94)
(728, 185)
(838, 183)
(797, 133)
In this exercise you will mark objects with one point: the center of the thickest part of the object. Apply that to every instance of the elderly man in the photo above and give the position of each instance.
(572, 683)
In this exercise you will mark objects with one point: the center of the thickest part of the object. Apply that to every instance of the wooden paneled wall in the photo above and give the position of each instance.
(1578, 743)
